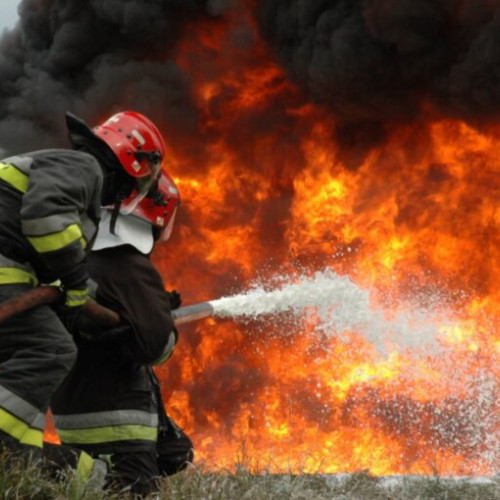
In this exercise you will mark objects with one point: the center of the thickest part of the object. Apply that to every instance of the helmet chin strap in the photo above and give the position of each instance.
(114, 216)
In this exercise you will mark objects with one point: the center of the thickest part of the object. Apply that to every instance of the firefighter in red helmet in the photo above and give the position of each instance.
(49, 213)
(110, 404)
(139, 147)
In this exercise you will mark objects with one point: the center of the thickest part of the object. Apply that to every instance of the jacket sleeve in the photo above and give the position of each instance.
(62, 198)
(128, 283)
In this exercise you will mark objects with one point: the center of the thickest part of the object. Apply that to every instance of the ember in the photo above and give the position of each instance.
(311, 142)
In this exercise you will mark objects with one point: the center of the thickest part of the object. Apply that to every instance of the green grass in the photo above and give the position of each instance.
(23, 482)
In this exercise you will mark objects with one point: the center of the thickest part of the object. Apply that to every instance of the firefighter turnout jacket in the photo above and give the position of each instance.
(107, 403)
(49, 211)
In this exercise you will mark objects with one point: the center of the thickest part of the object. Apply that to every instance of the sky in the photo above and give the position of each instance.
(8, 13)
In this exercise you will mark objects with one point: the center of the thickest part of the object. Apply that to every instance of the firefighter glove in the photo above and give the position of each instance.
(75, 297)
(74, 285)
(175, 299)
(70, 310)
(69, 316)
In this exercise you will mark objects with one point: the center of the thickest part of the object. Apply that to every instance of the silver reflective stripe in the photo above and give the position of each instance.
(47, 225)
(92, 288)
(21, 409)
(105, 418)
(6, 262)
(23, 163)
(39, 422)
(168, 349)
(170, 344)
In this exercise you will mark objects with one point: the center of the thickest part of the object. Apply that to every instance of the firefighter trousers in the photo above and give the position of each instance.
(36, 353)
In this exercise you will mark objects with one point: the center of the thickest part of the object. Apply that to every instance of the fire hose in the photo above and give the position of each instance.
(46, 295)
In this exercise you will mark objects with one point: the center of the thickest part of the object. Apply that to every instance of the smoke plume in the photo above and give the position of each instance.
(93, 58)
(373, 63)
(379, 62)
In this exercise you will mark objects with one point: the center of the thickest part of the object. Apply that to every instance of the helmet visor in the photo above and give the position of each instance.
(142, 185)
(166, 233)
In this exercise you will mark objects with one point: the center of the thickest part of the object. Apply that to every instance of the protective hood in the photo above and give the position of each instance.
(82, 137)
(129, 230)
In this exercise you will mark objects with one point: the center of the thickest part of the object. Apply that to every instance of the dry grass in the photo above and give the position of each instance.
(26, 482)
(197, 484)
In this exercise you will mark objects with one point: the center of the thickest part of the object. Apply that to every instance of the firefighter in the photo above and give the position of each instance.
(50, 202)
(110, 404)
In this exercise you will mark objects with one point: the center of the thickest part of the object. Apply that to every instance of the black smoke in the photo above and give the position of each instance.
(94, 57)
(382, 62)
(373, 63)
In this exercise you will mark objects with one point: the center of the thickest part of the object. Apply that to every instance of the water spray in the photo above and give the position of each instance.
(331, 305)
(331, 302)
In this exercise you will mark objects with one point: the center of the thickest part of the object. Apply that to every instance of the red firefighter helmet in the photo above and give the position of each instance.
(159, 206)
(138, 144)
(135, 140)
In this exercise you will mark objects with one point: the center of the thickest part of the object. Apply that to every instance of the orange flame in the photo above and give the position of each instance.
(416, 223)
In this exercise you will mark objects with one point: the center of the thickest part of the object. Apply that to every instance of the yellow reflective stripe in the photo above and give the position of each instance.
(20, 430)
(107, 434)
(56, 241)
(76, 298)
(10, 275)
(32, 437)
(14, 177)
(84, 467)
